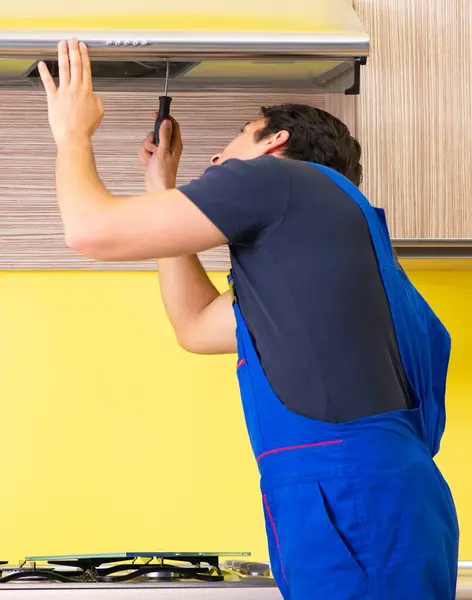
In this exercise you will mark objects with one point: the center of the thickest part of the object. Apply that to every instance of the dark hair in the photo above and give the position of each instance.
(315, 136)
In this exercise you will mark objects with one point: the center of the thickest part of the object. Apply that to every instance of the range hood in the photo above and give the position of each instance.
(307, 44)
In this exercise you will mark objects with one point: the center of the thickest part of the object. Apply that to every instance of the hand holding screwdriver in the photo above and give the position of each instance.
(162, 162)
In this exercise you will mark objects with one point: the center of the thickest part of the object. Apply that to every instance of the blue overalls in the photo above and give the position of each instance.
(359, 510)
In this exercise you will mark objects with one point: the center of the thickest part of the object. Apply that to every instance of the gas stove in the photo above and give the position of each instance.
(151, 576)
(139, 570)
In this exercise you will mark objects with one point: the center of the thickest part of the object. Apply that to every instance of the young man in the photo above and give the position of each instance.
(342, 364)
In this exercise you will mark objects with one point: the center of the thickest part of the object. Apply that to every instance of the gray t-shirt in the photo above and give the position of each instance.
(308, 285)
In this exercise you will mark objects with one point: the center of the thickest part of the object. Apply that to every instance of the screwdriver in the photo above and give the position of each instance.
(164, 107)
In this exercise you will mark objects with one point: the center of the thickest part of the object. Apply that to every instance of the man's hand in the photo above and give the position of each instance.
(162, 161)
(74, 110)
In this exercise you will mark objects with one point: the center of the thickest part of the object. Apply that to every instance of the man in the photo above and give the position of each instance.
(341, 363)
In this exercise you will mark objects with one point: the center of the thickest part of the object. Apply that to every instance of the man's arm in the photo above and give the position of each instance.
(202, 318)
(104, 227)
(97, 224)
(157, 224)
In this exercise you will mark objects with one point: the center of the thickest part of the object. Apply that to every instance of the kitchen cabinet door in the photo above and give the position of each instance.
(414, 115)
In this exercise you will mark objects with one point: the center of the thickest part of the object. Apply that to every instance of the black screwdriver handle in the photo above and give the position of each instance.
(164, 113)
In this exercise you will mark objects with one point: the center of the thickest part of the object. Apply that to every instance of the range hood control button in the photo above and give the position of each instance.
(126, 42)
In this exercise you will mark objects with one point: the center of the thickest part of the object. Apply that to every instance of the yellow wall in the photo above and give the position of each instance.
(114, 439)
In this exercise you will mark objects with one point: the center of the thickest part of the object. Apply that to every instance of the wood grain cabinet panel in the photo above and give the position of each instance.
(414, 115)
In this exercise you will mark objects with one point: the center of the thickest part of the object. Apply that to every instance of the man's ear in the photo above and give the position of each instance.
(275, 141)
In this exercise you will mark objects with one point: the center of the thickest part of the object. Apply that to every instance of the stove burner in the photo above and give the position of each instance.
(33, 573)
(163, 575)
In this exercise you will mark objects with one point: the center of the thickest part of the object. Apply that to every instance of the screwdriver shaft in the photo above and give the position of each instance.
(167, 77)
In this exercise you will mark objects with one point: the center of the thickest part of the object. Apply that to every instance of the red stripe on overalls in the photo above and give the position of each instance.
(272, 524)
(329, 443)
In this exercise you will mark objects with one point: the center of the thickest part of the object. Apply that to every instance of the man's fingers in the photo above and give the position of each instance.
(176, 143)
(148, 147)
(86, 67)
(165, 135)
(46, 78)
(75, 63)
(149, 144)
(64, 67)
(144, 156)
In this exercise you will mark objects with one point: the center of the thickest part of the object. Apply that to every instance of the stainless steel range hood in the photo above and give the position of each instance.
(314, 44)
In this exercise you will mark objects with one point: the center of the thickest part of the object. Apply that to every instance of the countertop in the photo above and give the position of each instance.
(96, 591)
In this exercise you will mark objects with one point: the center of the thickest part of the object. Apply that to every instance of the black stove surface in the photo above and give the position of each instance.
(150, 568)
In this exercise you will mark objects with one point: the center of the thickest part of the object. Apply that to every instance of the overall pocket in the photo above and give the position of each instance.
(314, 537)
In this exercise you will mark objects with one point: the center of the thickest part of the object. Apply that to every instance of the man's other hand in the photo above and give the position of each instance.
(162, 161)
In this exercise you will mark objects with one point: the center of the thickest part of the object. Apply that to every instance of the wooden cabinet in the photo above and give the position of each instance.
(414, 115)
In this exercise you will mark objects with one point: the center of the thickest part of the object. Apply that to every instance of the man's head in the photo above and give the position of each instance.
(299, 132)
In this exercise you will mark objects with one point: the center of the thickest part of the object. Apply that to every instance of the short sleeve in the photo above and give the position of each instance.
(244, 199)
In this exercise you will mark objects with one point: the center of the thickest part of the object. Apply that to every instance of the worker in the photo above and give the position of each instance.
(341, 363)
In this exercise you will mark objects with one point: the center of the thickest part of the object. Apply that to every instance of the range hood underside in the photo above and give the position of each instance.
(328, 63)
